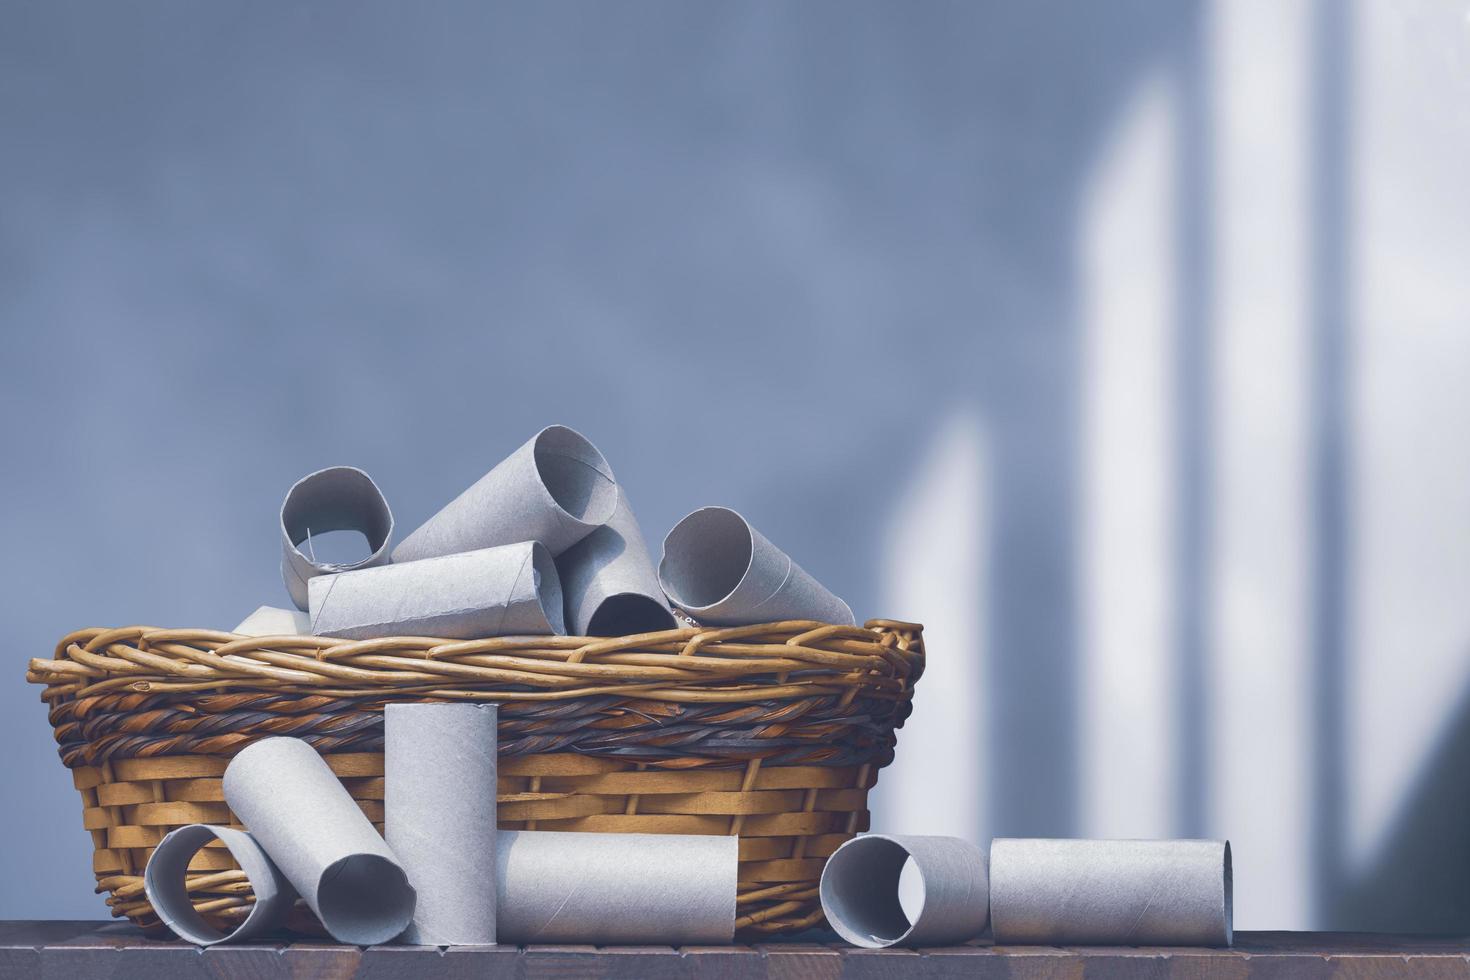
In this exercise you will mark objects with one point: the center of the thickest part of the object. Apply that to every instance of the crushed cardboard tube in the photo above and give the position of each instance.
(165, 883)
(1111, 892)
(511, 590)
(439, 767)
(556, 489)
(724, 572)
(609, 582)
(860, 882)
(274, 621)
(303, 817)
(616, 889)
(339, 498)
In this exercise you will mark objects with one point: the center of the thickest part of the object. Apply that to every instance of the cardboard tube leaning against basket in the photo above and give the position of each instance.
(164, 881)
(556, 489)
(1111, 892)
(609, 581)
(304, 818)
(512, 590)
(616, 889)
(723, 572)
(339, 498)
(439, 801)
(859, 891)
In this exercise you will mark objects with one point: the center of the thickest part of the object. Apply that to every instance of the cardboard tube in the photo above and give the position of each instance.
(340, 498)
(616, 889)
(724, 572)
(439, 817)
(859, 891)
(556, 489)
(273, 621)
(512, 590)
(303, 817)
(1111, 892)
(165, 882)
(609, 581)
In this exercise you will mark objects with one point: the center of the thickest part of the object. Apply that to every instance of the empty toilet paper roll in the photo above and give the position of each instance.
(512, 590)
(859, 890)
(724, 572)
(609, 582)
(303, 817)
(1111, 892)
(165, 882)
(439, 817)
(556, 489)
(340, 498)
(616, 889)
(273, 621)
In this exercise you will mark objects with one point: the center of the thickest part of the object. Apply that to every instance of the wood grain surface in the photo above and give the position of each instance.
(80, 950)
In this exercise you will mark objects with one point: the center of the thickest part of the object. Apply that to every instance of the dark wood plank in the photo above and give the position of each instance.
(801, 961)
(724, 963)
(69, 950)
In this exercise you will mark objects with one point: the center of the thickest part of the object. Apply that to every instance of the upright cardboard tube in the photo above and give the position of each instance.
(859, 891)
(724, 572)
(439, 764)
(303, 817)
(340, 498)
(556, 489)
(512, 590)
(609, 582)
(616, 889)
(1111, 892)
(166, 884)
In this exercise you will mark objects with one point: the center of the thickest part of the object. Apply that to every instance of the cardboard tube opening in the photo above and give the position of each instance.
(859, 892)
(548, 587)
(339, 498)
(630, 613)
(364, 899)
(706, 556)
(1229, 899)
(575, 474)
(165, 881)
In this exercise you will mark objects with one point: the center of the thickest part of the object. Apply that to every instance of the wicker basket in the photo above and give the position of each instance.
(774, 733)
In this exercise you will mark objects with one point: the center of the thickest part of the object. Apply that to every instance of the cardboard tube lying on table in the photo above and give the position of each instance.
(724, 572)
(616, 889)
(1111, 892)
(512, 590)
(859, 891)
(304, 818)
(273, 621)
(556, 489)
(340, 498)
(439, 816)
(165, 882)
(609, 581)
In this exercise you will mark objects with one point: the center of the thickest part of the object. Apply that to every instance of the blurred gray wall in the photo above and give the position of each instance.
(786, 257)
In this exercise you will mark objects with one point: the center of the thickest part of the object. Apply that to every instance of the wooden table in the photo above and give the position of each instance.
(73, 950)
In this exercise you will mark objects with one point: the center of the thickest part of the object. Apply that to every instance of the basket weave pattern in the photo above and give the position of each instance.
(773, 733)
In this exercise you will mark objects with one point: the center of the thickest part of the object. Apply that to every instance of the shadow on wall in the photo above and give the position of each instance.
(1418, 882)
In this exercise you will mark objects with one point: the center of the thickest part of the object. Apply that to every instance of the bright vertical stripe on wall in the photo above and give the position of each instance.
(934, 565)
(1127, 685)
(1409, 668)
(1260, 650)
